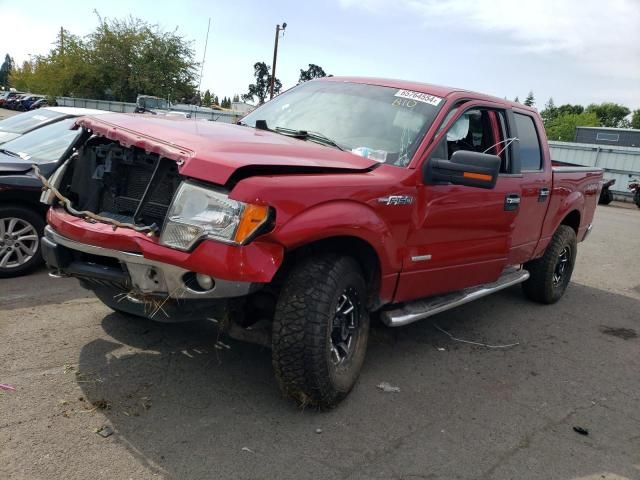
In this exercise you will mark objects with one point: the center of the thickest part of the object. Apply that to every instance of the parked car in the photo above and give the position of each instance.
(6, 96)
(25, 103)
(157, 106)
(22, 216)
(40, 103)
(17, 125)
(12, 103)
(339, 198)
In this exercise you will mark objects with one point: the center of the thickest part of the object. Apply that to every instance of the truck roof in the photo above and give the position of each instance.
(431, 89)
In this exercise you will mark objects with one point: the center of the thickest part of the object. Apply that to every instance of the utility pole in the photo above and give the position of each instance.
(61, 41)
(275, 57)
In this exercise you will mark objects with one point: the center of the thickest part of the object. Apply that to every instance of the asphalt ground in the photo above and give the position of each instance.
(182, 405)
(4, 113)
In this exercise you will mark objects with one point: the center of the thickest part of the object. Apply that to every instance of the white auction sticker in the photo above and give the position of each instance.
(419, 96)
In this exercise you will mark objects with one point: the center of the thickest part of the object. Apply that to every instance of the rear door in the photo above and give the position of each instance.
(462, 235)
(536, 185)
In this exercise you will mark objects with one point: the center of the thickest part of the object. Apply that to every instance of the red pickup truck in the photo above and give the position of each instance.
(339, 199)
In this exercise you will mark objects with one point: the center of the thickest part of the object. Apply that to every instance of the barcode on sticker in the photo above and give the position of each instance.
(419, 97)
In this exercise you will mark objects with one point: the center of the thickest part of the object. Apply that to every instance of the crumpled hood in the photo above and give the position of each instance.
(214, 151)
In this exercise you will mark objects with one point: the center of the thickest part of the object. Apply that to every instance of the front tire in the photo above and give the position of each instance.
(20, 232)
(551, 273)
(320, 331)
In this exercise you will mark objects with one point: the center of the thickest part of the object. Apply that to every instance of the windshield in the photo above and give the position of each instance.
(28, 121)
(46, 144)
(381, 123)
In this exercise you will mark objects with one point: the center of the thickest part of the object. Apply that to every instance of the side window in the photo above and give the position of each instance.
(477, 130)
(530, 155)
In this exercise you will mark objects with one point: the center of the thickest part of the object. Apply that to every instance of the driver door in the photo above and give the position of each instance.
(462, 234)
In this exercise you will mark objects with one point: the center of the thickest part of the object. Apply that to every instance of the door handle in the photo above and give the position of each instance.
(544, 193)
(511, 202)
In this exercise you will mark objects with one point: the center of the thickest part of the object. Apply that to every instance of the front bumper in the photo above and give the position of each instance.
(256, 262)
(100, 267)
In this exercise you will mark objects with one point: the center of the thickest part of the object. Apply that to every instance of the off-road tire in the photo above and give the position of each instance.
(36, 221)
(540, 286)
(303, 326)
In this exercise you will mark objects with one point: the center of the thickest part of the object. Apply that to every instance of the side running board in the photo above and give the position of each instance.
(426, 307)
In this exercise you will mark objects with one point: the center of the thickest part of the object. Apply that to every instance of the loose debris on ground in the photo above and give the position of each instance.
(437, 327)
(104, 431)
(388, 388)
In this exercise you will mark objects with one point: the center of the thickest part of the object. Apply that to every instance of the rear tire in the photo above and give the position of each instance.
(551, 273)
(636, 198)
(320, 330)
(20, 232)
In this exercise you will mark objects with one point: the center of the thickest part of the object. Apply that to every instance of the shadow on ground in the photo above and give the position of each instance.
(189, 409)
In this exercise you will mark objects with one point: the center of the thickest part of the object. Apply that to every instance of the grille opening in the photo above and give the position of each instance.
(125, 184)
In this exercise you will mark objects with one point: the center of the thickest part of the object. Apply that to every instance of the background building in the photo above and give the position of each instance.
(621, 137)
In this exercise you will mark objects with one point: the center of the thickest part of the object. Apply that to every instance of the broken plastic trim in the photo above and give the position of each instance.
(149, 230)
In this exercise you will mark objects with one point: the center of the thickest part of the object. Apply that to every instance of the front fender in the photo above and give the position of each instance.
(342, 218)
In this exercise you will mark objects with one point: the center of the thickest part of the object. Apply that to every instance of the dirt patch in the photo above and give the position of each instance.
(623, 333)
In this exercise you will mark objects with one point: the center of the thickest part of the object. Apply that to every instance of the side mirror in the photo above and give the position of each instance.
(472, 169)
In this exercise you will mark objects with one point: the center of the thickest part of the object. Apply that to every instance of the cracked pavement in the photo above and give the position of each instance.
(182, 408)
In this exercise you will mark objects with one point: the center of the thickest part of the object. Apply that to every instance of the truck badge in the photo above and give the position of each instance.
(396, 200)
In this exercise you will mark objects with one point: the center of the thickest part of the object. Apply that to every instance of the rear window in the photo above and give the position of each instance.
(530, 156)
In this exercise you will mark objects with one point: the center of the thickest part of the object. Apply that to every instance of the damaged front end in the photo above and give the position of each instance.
(104, 182)
(108, 183)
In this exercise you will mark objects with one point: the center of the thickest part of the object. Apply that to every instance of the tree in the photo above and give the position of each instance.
(635, 119)
(610, 114)
(568, 108)
(530, 101)
(118, 60)
(563, 127)
(206, 101)
(261, 88)
(215, 100)
(517, 100)
(314, 71)
(236, 98)
(549, 113)
(5, 70)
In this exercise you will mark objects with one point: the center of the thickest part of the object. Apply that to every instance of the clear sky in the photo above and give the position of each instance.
(577, 51)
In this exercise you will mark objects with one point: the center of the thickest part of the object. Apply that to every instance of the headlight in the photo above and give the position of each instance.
(198, 212)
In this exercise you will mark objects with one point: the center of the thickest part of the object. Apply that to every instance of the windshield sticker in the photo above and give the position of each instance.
(366, 152)
(403, 102)
(39, 117)
(24, 156)
(419, 96)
